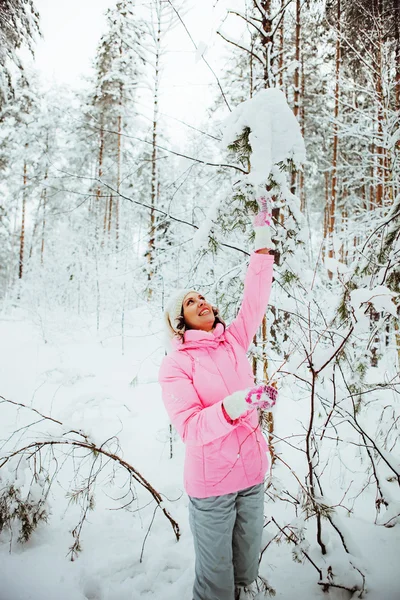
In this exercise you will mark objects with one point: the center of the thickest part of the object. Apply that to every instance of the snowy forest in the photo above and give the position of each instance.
(108, 205)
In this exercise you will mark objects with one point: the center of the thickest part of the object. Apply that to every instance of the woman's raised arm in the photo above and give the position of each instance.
(257, 289)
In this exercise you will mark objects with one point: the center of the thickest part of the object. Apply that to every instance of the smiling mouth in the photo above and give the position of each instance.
(204, 312)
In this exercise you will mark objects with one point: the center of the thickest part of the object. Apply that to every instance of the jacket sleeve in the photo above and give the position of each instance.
(195, 424)
(257, 289)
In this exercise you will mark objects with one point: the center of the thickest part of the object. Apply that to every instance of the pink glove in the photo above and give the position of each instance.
(260, 396)
(262, 222)
(264, 216)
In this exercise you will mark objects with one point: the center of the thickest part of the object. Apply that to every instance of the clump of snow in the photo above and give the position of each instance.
(275, 135)
(333, 265)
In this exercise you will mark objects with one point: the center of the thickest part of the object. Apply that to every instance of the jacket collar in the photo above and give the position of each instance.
(197, 338)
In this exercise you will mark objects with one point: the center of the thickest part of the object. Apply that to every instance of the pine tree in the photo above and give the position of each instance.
(109, 110)
(157, 19)
(19, 26)
(20, 150)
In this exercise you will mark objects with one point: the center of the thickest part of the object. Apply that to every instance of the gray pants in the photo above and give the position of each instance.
(227, 534)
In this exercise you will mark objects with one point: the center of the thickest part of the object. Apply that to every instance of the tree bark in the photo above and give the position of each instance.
(333, 198)
(397, 55)
(281, 46)
(154, 168)
(296, 99)
(22, 234)
(380, 150)
(119, 156)
(269, 419)
(372, 179)
(116, 202)
(44, 203)
(326, 210)
(251, 66)
(98, 190)
(105, 216)
(110, 211)
(302, 117)
(266, 41)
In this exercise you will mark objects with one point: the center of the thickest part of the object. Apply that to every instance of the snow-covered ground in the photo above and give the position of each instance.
(62, 367)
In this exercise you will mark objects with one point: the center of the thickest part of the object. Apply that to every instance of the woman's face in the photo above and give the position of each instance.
(198, 313)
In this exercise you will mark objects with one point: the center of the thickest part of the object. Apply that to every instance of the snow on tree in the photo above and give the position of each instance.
(19, 26)
(269, 127)
(109, 111)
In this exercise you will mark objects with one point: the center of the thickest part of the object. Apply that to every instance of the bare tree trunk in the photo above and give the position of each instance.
(333, 199)
(251, 66)
(372, 179)
(99, 175)
(44, 206)
(302, 117)
(118, 176)
(154, 174)
(100, 164)
(255, 362)
(105, 216)
(396, 186)
(296, 108)
(364, 197)
(110, 210)
(380, 150)
(326, 210)
(344, 247)
(22, 234)
(382, 158)
(397, 338)
(397, 56)
(119, 156)
(266, 40)
(281, 45)
(269, 417)
(296, 100)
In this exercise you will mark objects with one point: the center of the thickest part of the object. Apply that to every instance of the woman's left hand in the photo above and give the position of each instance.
(262, 396)
(262, 223)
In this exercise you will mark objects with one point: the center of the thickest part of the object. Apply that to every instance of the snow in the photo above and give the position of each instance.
(380, 297)
(333, 265)
(275, 135)
(200, 238)
(200, 51)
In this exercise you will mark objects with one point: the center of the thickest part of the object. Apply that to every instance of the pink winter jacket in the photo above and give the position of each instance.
(222, 456)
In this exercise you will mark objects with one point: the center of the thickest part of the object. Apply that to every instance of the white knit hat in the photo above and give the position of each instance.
(173, 310)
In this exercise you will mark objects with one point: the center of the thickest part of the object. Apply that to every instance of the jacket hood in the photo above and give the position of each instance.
(197, 338)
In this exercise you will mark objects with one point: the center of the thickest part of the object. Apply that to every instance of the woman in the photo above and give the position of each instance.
(208, 391)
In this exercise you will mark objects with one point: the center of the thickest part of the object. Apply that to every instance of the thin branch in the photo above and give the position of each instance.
(240, 47)
(296, 543)
(247, 19)
(147, 533)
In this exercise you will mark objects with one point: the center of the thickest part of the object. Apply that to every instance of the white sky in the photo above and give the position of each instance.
(71, 31)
